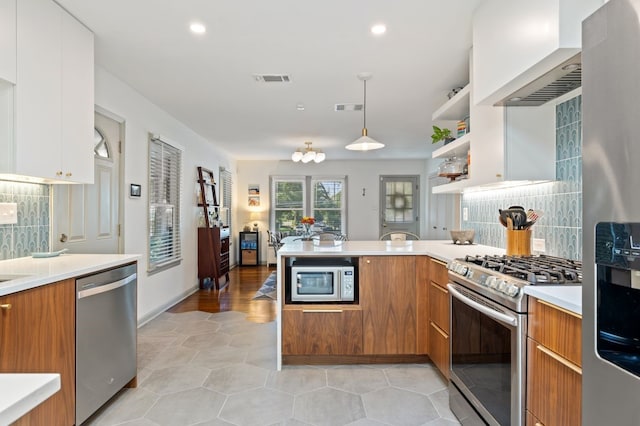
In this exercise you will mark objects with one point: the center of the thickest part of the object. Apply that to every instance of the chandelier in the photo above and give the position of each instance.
(308, 155)
(364, 142)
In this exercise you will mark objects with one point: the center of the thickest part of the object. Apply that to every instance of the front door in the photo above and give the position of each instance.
(86, 217)
(399, 204)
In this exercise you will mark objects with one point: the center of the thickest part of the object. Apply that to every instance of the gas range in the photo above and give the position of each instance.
(502, 278)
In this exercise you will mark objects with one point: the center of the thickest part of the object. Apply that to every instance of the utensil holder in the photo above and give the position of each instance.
(519, 242)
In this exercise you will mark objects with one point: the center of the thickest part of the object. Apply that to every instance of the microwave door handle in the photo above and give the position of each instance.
(505, 319)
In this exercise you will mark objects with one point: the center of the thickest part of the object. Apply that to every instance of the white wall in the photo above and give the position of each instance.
(363, 211)
(158, 291)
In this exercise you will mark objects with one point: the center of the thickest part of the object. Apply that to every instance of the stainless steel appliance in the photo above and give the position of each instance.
(488, 332)
(323, 283)
(611, 205)
(106, 320)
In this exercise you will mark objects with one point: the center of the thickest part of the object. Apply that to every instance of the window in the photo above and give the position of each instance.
(165, 170)
(226, 184)
(320, 197)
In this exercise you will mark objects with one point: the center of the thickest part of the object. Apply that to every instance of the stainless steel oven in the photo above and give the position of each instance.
(488, 359)
(488, 332)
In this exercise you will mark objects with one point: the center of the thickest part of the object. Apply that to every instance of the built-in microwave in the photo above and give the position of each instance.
(323, 283)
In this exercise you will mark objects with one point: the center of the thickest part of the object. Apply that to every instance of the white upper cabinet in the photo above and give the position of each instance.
(8, 40)
(517, 41)
(54, 95)
(77, 101)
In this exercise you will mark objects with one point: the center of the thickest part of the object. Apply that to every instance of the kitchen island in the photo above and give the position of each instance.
(391, 317)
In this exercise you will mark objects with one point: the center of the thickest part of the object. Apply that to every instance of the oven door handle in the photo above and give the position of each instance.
(498, 316)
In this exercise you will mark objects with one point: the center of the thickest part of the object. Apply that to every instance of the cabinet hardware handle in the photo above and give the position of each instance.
(539, 424)
(566, 311)
(322, 311)
(59, 173)
(439, 330)
(439, 262)
(368, 261)
(444, 290)
(561, 360)
(68, 174)
(6, 306)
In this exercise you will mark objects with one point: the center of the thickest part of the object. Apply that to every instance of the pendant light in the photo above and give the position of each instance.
(364, 143)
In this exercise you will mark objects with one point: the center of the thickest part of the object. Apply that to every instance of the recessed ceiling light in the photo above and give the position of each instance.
(378, 29)
(197, 28)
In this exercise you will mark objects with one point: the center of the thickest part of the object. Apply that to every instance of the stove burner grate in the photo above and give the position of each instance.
(539, 270)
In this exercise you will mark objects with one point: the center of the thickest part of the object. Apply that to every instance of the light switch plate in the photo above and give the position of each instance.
(465, 214)
(538, 245)
(8, 213)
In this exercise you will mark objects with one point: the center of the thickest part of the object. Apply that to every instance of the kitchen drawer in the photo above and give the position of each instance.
(439, 349)
(557, 329)
(332, 330)
(439, 306)
(554, 387)
(438, 271)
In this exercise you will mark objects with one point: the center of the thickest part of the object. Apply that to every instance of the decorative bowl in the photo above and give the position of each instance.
(463, 236)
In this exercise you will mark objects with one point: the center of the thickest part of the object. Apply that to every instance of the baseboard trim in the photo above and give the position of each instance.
(153, 314)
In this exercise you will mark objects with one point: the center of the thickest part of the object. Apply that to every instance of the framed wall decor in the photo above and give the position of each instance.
(254, 189)
(254, 201)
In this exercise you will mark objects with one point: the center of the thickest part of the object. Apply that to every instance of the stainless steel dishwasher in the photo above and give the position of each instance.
(106, 324)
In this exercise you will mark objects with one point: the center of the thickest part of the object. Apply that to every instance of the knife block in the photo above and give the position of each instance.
(519, 242)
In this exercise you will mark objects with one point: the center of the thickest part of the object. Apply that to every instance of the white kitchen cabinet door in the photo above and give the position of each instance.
(54, 96)
(77, 101)
(8, 40)
(38, 90)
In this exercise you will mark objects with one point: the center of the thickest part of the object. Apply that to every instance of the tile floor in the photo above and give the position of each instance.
(197, 368)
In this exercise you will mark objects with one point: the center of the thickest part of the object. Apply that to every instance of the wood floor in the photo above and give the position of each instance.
(243, 284)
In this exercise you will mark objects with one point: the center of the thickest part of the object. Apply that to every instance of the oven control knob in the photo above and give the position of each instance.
(513, 290)
(502, 285)
(492, 282)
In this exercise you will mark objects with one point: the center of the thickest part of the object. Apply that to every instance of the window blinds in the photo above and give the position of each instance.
(165, 171)
(227, 190)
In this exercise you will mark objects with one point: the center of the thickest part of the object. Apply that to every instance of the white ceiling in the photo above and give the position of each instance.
(207, 81)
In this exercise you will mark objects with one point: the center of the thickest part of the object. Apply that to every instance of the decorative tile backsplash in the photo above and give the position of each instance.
(31, 233)
(560, 201)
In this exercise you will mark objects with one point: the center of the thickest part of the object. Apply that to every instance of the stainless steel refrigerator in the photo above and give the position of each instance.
(611, 218)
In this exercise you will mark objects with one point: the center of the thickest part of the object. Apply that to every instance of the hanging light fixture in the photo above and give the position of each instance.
(364, 143)
(309, 154)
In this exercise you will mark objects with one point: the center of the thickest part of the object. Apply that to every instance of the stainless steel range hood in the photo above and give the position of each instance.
(560, 80)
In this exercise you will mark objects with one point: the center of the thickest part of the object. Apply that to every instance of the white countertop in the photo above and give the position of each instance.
(443, 250)
(28, 272)
(568, 297)
(20, 393)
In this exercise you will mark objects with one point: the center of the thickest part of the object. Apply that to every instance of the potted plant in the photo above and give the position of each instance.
(441, 135)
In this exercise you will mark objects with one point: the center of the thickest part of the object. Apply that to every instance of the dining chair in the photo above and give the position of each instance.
(399, 236)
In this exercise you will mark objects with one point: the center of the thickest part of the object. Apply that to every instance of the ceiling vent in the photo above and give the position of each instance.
(348, 107)
(562, 79)
(272, 78)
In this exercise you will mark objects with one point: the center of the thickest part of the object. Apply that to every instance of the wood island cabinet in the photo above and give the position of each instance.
(322, 330)
(37, 335)
(554, 373)
(388, 300)
(439, 316)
